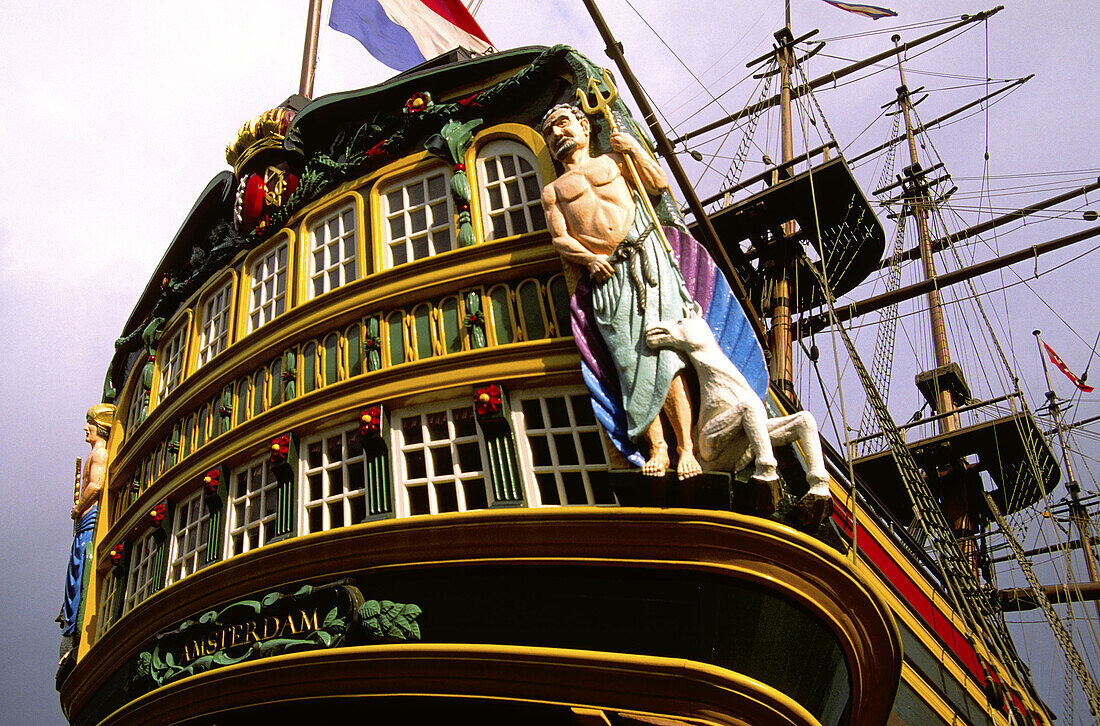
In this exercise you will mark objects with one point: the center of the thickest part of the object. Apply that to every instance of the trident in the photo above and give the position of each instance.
(603, 104)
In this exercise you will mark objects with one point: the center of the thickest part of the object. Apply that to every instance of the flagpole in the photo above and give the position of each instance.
(1079, 514)
(309, 52)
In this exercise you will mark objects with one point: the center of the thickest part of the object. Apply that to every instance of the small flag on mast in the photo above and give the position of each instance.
(874, 12)
(1057, 360)
(405, 33)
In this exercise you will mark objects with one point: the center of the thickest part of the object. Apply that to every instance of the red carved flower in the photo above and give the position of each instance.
(280, 449)
(157, 513)
(418, 103)
(370, 420)
(288, 375)
(487, 399)
(470, 101)
(116, 554)
(210, 480)
(459, 167)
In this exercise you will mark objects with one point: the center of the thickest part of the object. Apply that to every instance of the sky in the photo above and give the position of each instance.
(118, 114)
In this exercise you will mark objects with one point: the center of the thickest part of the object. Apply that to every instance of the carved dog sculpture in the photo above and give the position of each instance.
(733, 427)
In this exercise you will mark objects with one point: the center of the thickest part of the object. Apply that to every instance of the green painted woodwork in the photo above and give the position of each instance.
(307, 619)
(355, 350)
(372, 343)
(559, 304)
(475, 320)
(215, 505)
(500, 446)
(379, 485)
(531, 309)
(332, 359)
(289, 374)
(309, 367)
(502, 316)
(452, 328)
(450, 144)
(241, 405)
(174, 444)
(389, 621)
(225, 409)
(159, 576)
(200, 429)
(395, 324)
(258, 391)
(278, 385)
(422, 326)
(286, 507)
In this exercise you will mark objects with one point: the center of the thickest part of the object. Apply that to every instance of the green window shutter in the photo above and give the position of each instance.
(242, 400)
(531, 310)
(275, 392)
(395, 325)
(215, 504)
(502, 315)
(376, 466)
(258, 391)
(355, 350)
(452, 328)
(332, 359)
(286, 474)
(502, 469)
(159, 576)
(559, 304)
(422, 324)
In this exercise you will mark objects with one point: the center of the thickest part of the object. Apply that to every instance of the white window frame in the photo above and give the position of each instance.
(326, 235)
(408, 218)
(139, 580)
(215, 315)
(171, 356)
(268, 285)
(526, 208)
(525, 430)
(106, 597)
(432, 479)
(190, 537)
(339, 497)
(139, 401)
(242, 506)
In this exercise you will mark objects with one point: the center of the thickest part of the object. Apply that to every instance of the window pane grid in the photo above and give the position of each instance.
(215, 324)
(139, 583)
(564, 447)
(510, 191)
(334, 484)
(252, 508)
(171, 363)
(110, 587)
(268, 290)
(189, 537)
(441, 463)
(419, 218)
(332, 259)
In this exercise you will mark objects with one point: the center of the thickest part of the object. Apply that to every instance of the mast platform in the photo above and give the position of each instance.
(1010, 448)
(851, 241)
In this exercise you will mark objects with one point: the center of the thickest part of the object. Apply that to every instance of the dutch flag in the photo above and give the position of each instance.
(405, 33)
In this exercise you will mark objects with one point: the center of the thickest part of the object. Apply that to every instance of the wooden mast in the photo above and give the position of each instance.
(780, 341)
(309, 52)
(920, 206)
(1078, 514)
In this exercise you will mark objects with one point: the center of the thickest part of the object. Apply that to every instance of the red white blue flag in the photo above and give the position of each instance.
(1057, 361)
(874, 12)
(405, 33)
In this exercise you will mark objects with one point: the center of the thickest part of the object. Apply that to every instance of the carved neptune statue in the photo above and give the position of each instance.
(642, 325)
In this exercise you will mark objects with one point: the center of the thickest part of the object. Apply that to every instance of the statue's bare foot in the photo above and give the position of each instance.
(658, 461)
(688, 466)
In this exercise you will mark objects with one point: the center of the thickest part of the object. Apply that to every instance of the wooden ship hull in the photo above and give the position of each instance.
(355, 471)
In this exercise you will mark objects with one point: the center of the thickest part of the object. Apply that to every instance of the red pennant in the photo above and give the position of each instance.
(1057, 360)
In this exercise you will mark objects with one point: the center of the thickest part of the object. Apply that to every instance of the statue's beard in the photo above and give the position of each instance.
(564, 148)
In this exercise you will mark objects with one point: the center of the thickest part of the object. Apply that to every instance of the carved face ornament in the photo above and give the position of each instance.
(565, 133)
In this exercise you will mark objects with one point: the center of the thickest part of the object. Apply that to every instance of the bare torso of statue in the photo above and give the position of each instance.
(596, 203)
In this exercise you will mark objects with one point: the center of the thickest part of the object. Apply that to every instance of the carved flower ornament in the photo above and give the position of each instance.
(280, 449)
(487, 400)
(419, 102)
(116, 553)
(370, 420)
(473, 319)
(210, 480)
(157, 513)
